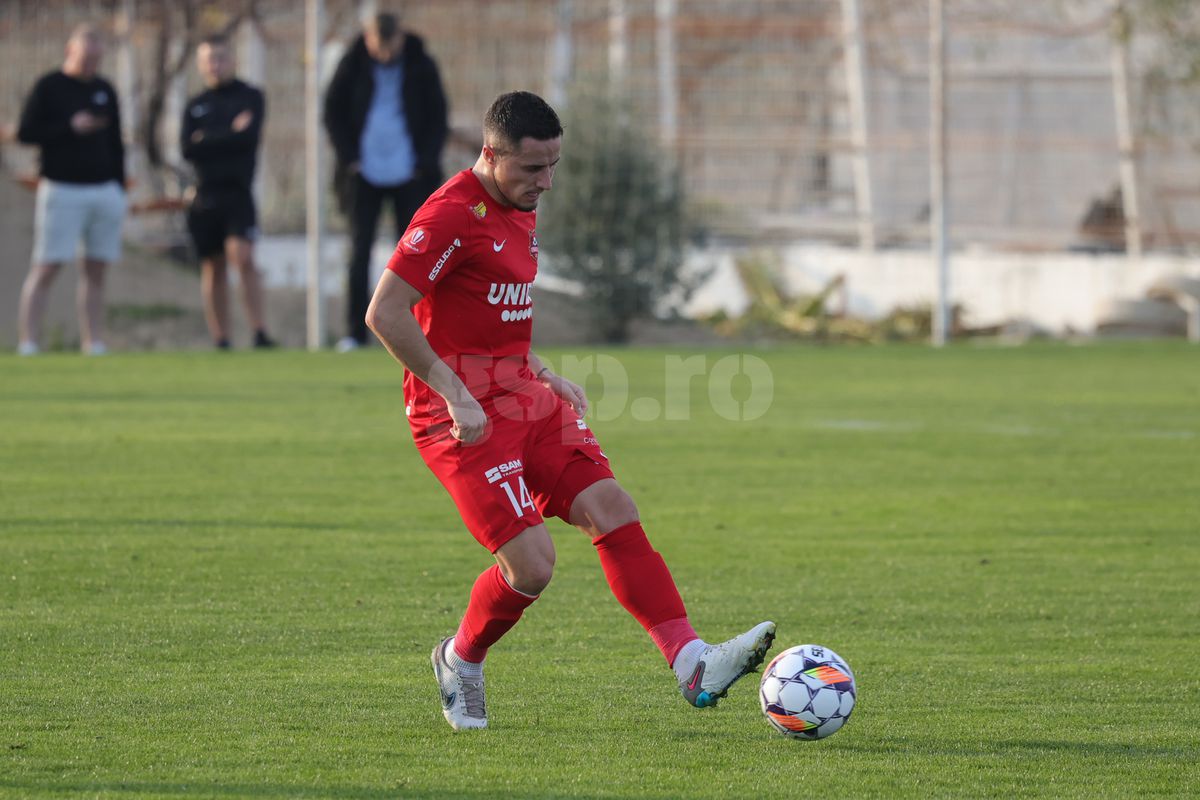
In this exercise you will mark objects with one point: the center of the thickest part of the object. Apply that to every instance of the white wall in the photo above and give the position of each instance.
(1058, 292)
(1054, 291)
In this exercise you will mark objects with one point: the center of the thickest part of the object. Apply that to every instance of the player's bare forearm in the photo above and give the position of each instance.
(571, 392)
(390, 317)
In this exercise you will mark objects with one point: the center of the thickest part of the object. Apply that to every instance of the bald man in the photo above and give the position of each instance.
(72, 114)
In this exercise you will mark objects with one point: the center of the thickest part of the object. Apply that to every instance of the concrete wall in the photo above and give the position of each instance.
(1059, 292)
(1062, 293)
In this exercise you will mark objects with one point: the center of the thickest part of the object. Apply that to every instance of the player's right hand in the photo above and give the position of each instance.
(469, 420)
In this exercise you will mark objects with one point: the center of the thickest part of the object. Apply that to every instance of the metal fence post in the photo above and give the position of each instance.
(314, 217)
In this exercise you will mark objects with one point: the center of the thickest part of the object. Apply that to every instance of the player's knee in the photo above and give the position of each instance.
(531, 576)
(605, 510)
(622, 511)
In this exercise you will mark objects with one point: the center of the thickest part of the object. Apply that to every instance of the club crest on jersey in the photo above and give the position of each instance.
(533, 248)
(416, 241)
(480, 210)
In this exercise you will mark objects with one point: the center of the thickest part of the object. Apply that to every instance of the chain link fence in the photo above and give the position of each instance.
(1070, 124)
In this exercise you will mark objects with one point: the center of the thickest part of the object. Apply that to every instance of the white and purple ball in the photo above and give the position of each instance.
(807, 692)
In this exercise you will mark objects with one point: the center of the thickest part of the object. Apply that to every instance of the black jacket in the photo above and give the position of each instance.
(348, 99)
(96, 157)
(223, 158)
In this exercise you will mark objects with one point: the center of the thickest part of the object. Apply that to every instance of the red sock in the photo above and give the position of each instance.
(641, 582)
(494, 608)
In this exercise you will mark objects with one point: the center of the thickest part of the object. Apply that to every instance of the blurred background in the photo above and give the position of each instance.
(801, 135)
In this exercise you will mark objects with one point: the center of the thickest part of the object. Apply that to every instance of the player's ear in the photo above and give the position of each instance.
(489, 155)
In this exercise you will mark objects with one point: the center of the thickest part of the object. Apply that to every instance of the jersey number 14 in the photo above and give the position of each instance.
(520, 499)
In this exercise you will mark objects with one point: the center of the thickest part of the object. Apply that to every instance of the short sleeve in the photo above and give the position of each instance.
(433, 246)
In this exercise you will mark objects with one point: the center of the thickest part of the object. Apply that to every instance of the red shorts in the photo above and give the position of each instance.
(528, 466)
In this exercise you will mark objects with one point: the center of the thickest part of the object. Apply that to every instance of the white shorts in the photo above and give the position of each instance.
(68, 212)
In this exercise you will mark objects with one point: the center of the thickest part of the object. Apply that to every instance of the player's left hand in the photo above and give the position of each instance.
(567, 390)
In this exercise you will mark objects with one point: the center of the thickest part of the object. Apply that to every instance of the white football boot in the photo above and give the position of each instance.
(720, 665)
(462, 699)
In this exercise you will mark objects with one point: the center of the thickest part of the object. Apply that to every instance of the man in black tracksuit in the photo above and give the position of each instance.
(385, 112)
(220, 134)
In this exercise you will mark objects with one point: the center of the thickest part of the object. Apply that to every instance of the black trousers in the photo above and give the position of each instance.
(366, 203)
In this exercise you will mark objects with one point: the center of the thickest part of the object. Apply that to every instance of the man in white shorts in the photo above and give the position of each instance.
(73, 116)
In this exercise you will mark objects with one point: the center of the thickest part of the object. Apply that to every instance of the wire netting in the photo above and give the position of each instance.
(753, 98)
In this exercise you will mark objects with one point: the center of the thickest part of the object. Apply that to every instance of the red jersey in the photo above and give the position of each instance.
(474, 261)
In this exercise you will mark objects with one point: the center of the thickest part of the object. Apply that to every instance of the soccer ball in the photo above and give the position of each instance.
(807, 692)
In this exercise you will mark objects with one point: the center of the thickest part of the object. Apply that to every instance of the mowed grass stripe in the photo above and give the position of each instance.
(221, 576)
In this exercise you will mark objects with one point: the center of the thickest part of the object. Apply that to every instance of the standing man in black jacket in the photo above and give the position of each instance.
(73, 115)
(386, 115)
(220, 133)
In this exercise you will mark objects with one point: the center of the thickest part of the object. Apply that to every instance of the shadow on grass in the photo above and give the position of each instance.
(202, 789)
(96, 397)
(1033, 747)
(168, 523)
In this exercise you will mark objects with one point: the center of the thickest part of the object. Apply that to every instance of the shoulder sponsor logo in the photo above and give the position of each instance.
(416, 241)
(498, 246)
(479, 210)
(441, 262)
(533, 248)
(502, 471)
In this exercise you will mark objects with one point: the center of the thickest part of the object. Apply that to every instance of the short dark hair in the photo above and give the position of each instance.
(514, 116)
(385, 25)
(215, 40)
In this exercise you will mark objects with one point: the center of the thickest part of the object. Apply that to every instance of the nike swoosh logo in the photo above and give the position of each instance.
(448, 699)
(498, 247)
(696, 677)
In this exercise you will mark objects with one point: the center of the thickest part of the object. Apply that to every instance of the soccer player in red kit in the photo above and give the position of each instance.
(502, 432)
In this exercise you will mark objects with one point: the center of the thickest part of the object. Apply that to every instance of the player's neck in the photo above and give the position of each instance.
(484, 174)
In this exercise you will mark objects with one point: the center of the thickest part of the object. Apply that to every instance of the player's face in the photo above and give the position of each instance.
(523, 175)
(215, 63)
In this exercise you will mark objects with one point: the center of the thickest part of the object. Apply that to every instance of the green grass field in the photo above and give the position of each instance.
(221, 576)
